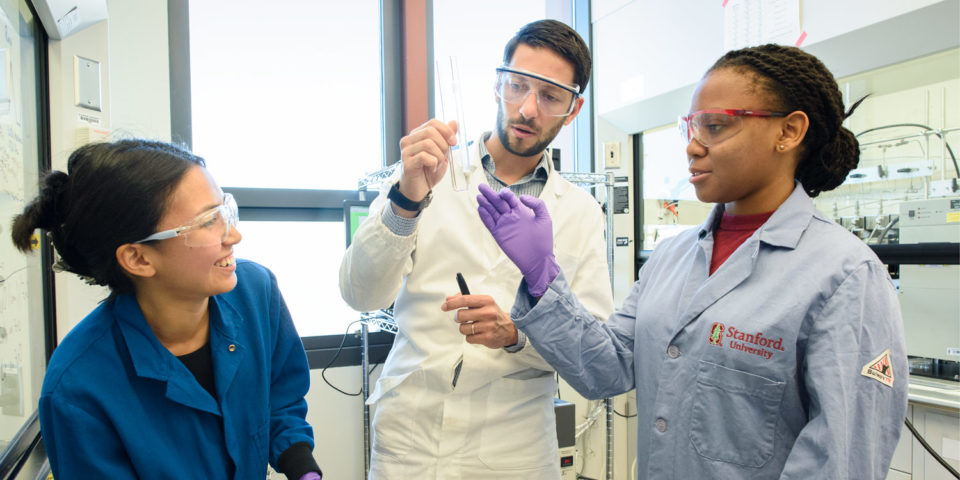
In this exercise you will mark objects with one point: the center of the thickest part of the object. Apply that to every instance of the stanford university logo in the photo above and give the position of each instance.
(716, 334)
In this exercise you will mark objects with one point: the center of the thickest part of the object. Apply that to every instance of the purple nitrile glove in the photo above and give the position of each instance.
(311, 476)
(523, 229)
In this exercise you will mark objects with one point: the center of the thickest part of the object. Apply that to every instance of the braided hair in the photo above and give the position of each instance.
(113, 194)
(800, 81)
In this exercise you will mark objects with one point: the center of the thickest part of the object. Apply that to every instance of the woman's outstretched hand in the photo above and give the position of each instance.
(524, 231)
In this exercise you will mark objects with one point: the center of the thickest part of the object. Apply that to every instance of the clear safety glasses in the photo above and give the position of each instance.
(553, 98)
(710, 127)
(207, 229)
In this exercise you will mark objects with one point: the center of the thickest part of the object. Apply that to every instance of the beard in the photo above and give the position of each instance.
(503, 125)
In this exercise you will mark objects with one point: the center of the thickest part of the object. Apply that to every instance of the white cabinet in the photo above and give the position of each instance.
(941, 429)
(902, 463)
(896, 475)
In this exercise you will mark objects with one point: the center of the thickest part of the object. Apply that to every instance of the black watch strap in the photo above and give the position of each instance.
(405, 203)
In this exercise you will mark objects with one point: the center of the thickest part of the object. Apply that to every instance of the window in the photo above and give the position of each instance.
(670, 202)
(476, 33)
(297, 107)
(289, 124)
(27, 316)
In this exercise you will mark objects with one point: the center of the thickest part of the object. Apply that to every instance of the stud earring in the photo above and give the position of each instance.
(781, 147)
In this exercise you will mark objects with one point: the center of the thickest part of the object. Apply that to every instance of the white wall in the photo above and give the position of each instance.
(131, 47)
(649, 53)
(338, 421)
(672, 43)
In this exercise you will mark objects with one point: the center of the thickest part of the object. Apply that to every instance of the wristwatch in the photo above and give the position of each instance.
(405, 203)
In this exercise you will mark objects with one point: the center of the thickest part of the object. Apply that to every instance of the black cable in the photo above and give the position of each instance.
(615, 412)
(886, 229)
(919, 125)
(930, 449)
(323, 371)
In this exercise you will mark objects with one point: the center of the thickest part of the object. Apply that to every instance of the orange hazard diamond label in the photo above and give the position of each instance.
(880, 369)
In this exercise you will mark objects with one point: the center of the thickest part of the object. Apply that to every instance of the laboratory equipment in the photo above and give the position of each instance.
(930, 294)
(451, 108)
(566, 437)
(354, 212)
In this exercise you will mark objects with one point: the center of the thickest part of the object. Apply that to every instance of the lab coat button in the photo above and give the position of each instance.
(232, 347)
(673, 351)
(661, 425)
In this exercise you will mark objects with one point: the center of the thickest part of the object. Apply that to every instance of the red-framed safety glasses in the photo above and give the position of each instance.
(712, 126)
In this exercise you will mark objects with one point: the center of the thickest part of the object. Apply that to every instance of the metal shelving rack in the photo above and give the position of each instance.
(384, 320)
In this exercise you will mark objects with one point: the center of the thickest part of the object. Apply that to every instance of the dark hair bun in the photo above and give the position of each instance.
(827, 168)
(41, 212)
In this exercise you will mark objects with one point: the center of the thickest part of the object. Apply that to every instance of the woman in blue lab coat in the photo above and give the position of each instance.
(191, 368)
(766, 343)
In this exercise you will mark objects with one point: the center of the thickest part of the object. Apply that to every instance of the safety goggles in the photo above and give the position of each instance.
(553, 98)
(207, 229)
(710, 127)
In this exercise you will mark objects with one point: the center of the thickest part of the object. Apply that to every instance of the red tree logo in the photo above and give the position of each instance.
(716, 333)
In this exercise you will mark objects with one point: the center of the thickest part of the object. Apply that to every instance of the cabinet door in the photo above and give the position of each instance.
(898, 475)
(903, 456)
(941, 429)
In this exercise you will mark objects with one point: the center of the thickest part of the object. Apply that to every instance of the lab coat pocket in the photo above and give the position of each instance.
(398, 400)
(734, 415)
(519, 429)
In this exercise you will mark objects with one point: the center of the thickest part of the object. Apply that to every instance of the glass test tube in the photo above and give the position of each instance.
(451, 108)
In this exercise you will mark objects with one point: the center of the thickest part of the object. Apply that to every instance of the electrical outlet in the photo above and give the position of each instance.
(611, 154)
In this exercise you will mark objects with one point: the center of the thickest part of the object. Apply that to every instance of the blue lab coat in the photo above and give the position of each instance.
(117, 404)
(772, 367)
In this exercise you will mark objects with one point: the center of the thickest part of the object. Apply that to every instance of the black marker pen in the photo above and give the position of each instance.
(463, 284)
(463, 291)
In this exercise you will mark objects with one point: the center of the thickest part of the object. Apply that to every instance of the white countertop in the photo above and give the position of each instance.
(931, 391)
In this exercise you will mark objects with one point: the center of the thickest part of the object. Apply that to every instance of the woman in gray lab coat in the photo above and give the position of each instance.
(767, 343)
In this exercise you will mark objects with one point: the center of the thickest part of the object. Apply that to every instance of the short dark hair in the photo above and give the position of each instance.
(800, 81)
(113, 193)
(560, 38)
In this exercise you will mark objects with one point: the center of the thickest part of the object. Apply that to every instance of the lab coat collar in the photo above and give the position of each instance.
(149, 357)
(790, 220)
(152, 360)
(784, 228)
(554, 185)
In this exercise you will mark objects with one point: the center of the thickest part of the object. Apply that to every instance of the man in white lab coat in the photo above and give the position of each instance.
(475, 400)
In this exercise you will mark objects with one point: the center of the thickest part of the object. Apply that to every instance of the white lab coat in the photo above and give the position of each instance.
(498, 422)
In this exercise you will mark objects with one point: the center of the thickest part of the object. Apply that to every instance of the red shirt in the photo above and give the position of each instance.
(733, 230)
